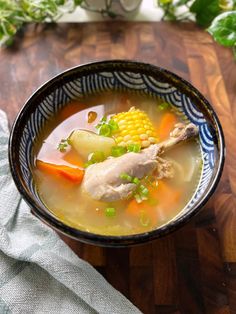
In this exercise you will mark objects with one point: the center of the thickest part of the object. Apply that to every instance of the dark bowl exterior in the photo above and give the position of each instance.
(113, 65)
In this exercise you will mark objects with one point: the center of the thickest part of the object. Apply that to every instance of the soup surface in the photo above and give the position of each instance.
(64, 154)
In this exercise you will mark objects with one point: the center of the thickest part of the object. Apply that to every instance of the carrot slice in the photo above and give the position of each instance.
(142, 209)
(133, 208)
(167, 194)
(166, 125)
(75, 175)
(163, 195)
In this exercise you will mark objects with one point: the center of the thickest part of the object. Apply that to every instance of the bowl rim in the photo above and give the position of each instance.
(109, 240)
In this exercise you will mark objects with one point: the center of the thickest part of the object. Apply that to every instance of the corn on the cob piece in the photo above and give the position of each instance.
(135, 127)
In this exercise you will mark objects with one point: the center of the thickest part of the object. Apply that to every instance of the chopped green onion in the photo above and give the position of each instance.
(135, 148)
(117, 151)
(144, 192)
(104, 119)
(105, 130)
(125, 176)
(144, 219)
(164, 106)
(113, 125)
(136, 180)
(106, 127)
(110, 211)
(62, 146)
(138, 198)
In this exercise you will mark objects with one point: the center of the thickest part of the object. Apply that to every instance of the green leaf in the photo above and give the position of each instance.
(78, 2)
(111, 14)
(223, 29)
(166, 1)
(206, 11)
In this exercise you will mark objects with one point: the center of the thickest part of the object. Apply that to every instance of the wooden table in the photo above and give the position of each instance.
(192, 270)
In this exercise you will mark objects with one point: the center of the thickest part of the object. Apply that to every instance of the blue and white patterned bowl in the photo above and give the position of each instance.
(116, 75)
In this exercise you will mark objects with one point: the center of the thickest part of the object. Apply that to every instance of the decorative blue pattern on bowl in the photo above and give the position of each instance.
(118, 76)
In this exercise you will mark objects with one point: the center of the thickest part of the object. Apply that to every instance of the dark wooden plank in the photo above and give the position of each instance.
(188, 271)
(164, 271)
(117, 268)
(141, 288)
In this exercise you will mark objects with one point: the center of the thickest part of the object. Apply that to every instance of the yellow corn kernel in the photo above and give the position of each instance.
(119, 139)
(145, 144)
(127, 137)
(134, 127)
(136, 138)
(122, 144)
(152, 140)
(141, 130)
(143, 136)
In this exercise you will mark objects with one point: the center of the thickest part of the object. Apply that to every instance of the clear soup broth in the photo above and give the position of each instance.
(62, 192)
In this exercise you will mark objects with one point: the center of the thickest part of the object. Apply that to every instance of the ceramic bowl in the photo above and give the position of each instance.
(123, 76)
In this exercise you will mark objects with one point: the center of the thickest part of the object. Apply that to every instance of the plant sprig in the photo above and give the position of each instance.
(218, 16)
(15, 13)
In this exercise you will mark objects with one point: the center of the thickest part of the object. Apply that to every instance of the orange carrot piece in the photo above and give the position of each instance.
(75, 175)
(163, 194)
(137, 209)
(133, 208)
(166, 125)
(167, 193)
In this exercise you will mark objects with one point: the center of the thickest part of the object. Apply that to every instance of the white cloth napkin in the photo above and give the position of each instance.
(39, 273)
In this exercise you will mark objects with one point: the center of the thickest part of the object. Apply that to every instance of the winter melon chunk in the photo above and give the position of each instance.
(85, 143)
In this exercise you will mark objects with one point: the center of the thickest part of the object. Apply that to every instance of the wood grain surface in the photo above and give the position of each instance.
(194, 269)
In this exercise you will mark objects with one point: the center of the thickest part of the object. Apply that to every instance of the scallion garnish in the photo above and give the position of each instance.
(138, 198)
(117, 151)
(106, 128)
(144, 219)
(164, 106)
(110, 211)
(136, 180)
(141, 192)
(113, 125)
(125, 176)
(62, 146)
(135, 148)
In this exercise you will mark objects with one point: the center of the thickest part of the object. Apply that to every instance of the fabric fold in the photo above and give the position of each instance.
(39, 273)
